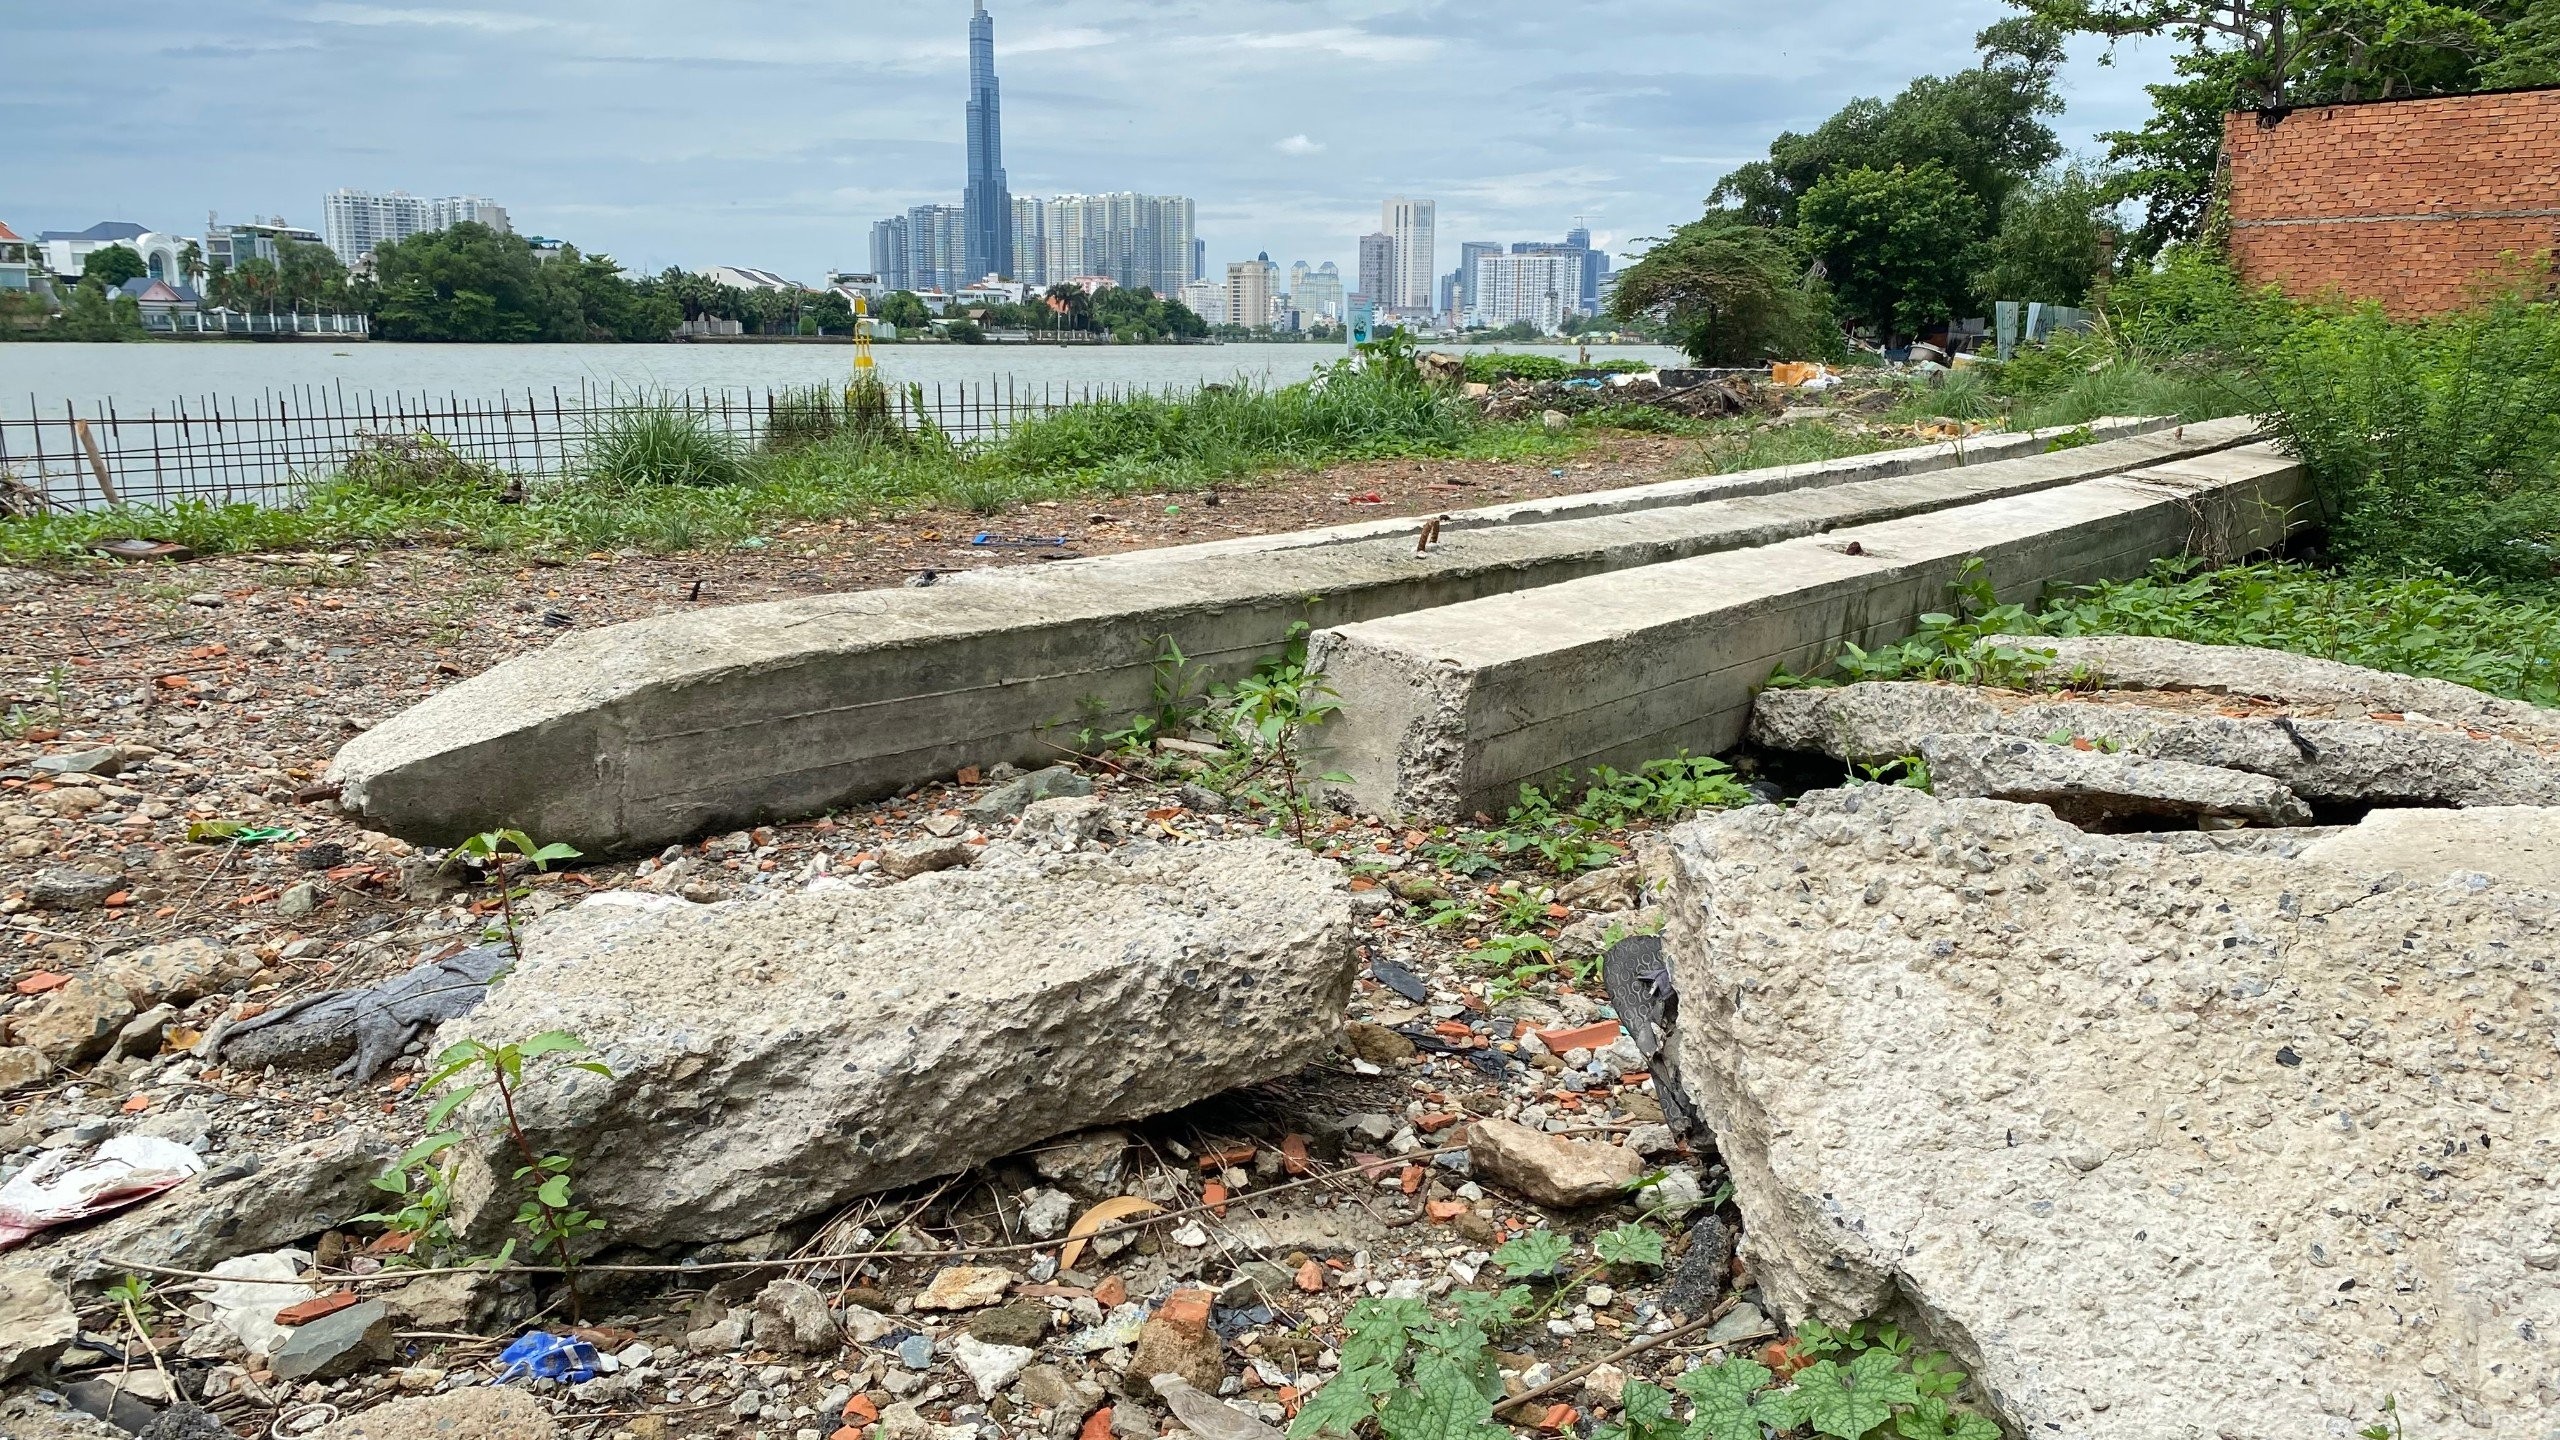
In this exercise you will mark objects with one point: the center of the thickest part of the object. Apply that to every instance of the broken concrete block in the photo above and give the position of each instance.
(774, 1057)
(2002, 1077)
(480, 1412)
(2412, 761)
(337, 1344)
(2092, 788)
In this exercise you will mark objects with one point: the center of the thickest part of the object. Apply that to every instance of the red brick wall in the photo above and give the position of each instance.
(2405, 202)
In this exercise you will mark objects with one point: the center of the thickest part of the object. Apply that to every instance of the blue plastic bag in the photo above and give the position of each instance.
(539, 1354)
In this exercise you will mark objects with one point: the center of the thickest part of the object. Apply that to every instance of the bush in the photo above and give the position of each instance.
(2430, 444)
(403, 465)
(1494, 367)
(802, 415)
(662, 444)
(1732, 295)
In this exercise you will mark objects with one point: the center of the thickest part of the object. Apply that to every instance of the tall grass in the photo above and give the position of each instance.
(659, 443)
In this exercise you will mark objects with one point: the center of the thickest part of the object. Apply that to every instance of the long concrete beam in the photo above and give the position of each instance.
(1448, 712)
(631, 736)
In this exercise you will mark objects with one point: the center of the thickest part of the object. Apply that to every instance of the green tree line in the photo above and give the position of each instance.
(1897, 216)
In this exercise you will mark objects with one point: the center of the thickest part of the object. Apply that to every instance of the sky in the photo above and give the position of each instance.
(771, 134)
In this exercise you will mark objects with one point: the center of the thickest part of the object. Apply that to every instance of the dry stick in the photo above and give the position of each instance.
(145, 1337)
(711, 1267)
(1558, 1385)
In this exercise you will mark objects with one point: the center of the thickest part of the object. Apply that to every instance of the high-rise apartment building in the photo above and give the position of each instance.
(1591, 267)
(1135, 241)
(1539, 289)
(1469, 253)
(1377, 267)
(937, 252)
(1413, 227)
(358, 220)
(1250, 292)
(1316, 294)
(1206, 299)
(989, 206)
(889, 253)
(1031, 244)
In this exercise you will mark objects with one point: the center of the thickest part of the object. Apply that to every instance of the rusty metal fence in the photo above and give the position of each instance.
(270, 448)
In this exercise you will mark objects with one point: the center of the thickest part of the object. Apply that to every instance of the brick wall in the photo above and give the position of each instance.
(2406, 202)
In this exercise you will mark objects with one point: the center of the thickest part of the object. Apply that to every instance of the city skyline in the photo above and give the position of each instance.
(778, 141)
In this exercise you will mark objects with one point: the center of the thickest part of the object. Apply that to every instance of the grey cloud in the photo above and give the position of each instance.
(776, 134)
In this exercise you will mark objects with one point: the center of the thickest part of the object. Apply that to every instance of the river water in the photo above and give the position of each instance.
(136, 379)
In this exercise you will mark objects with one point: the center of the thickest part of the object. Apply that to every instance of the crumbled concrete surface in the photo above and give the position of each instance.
(2093, 1111)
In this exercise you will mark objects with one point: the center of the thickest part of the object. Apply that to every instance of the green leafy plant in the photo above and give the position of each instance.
(487, 852)
(1534, 1256)
(133, 1294)
(1271, 711)
(2389, 1427)
(1629, 1245)
(549, 1214)
(1866, 1384)
(1909, 771)
(1408, 1374)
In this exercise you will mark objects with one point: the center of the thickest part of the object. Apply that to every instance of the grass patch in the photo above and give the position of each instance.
(2503, 640)
(661, 480)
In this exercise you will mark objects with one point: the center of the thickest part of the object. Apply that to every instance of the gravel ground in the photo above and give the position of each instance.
(221, 688)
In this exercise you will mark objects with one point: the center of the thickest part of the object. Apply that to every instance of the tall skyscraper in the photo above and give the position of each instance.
(1414, 227)
(1539, 289)
(1250, 284)
(988, 204)
(937, 249)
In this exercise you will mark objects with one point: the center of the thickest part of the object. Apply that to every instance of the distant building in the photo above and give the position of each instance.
(1469, 254)
(1413, 227)
(228, 247)
(1590, 267)
(159, 298)
(1031, 243)
(1538, 289)
(936, 255)
(868, 284)
(64, 252)
(993, 291)
(987, 224)
(1199, 259)
(1317, 294)
(740, 277)
(17, 261)
(1206, 299)
(1140, 241)
(357, 221)
(1377, 266)
(889, 258)
(1252, 287)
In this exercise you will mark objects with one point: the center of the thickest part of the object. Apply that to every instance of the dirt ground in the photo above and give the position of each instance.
(224, 686)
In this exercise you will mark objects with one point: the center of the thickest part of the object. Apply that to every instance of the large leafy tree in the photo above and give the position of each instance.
(1901, 245)
(2528, 49)
(2052, 243)
(112, 265)
(1731, 294)
(1985, 125)
(2309, 51)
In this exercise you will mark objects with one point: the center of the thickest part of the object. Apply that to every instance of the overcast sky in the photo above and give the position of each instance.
(770, 134)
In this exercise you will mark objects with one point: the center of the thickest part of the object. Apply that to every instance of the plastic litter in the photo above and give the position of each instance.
(54, 1191)
(991, 539)
(541, 1355)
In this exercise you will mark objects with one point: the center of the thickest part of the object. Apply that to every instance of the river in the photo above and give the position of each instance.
(139, 378)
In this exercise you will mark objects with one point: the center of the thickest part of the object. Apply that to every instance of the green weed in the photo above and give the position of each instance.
(661, 444)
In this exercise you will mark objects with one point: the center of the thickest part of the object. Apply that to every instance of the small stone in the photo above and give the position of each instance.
(1680, 1191)
(866, 1325)
(1121, 1327)
(916, 1352)
(36, 1323)
(176, 972)
(1377, 1044)
(185, 1421)
(1045, 1213)
(73, 889)
(78, 1022)
(1565, 1174)
(1177, 1340)
(1012, 798)
(1606, 1385)
(965, 1287)
(299, 901)
(337, 1345)
(21, 1066)
(792, 1318)
(1740, 1323)
(1089, 1163)
(1022, 1323)
(992, 1368)
(478, 1412)
(901, 862)
(106, 760)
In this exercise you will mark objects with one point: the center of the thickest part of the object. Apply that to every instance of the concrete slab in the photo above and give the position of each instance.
(1447, 712)
(639, 734)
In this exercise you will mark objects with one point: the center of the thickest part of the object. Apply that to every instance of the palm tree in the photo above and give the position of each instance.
(191, 264)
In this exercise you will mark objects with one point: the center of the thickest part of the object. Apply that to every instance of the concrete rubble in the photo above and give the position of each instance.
(2087, 1109)
(1001, 1005)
